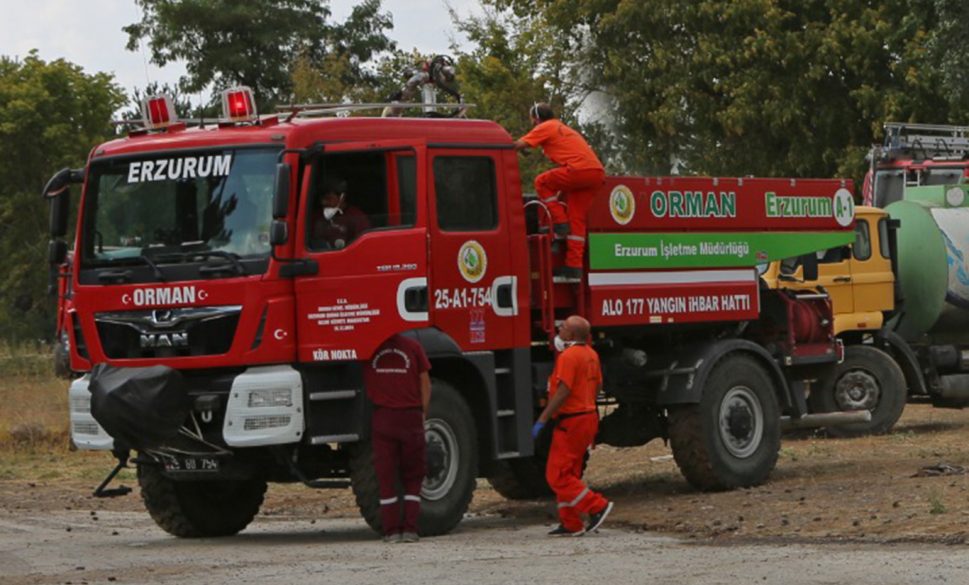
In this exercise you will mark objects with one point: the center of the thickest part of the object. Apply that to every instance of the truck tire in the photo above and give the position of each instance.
(868, 378)
(192, 509)
(524, 479)
(732, 437)
(447, 491)
(521, 479)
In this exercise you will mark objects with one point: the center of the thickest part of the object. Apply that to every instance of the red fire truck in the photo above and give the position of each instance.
(913, 155)
(220, 315)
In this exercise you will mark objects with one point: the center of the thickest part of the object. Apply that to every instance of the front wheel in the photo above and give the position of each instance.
(867, 379)
(451, 472)
(191, 509)
(732, 437)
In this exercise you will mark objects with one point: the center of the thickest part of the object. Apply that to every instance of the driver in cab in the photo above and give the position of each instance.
(337, 223)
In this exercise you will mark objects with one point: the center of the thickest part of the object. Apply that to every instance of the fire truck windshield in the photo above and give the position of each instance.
(176, 207)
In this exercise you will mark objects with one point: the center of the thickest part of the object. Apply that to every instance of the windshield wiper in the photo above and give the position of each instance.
(125, 275)
(154, 267)
(232, 258)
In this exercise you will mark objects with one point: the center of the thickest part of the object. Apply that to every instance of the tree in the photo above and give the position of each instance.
(51, 113)
(767, 87)
(257, 42)
(516, 61)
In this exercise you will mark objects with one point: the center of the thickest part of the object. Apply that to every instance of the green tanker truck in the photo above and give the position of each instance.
(932, 312)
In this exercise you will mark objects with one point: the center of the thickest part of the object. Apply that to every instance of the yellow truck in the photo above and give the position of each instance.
(880, 369)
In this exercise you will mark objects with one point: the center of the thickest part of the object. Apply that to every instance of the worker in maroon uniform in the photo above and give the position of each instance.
(576, 181)
(338, 223)
(573, 386)
(398, 384)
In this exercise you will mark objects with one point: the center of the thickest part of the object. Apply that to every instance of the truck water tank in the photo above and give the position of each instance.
(933, 262)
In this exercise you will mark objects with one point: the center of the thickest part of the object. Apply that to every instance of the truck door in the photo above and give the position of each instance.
(474, 293)
(363, 231)
(834, 274)
(871, 272)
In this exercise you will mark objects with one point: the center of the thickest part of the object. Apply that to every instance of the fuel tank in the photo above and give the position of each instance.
(933, 263)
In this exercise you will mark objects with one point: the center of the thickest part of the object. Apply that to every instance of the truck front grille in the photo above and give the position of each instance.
(164, 333)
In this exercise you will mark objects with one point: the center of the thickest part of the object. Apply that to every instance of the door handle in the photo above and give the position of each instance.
(842, 279)
(504, 297)
(415, 299)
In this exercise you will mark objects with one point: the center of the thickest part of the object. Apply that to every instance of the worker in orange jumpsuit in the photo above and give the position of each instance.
(398, 384)
(577, 179)
(573, 387)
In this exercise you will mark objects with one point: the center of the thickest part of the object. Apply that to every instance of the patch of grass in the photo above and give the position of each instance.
(902, 436)
(34, 411)
(936, 505)
(55, 462)
(26, 360)
(820, 449)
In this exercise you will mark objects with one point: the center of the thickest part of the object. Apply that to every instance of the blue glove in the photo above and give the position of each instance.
(537, 428)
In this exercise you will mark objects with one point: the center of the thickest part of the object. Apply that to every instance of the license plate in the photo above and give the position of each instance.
(191, 464)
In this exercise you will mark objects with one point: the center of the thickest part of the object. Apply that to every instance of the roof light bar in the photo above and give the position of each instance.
(239, 105)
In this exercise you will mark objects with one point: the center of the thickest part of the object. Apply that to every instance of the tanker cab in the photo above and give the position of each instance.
(858, 277)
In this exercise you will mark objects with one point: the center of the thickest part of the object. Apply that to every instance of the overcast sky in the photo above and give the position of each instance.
(88, 32)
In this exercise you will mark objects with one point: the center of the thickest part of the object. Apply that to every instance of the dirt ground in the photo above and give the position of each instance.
(823, 490)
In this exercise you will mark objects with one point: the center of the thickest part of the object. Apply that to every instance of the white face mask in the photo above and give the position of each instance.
(330, 212)
(561, 344)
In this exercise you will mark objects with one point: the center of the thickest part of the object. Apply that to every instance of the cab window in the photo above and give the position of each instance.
(358, 192)
(883, 244)
(834, 255)
(467, 195)
(862, 245)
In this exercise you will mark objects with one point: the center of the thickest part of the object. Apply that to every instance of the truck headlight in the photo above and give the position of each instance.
(270, 397)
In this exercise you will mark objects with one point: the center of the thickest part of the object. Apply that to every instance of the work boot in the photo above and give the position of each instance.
(563, 531)
(409, 537)
(392, 538)
(596, 520)
(567, 274)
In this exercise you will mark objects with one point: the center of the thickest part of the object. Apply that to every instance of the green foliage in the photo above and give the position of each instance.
(515, 62)
(51, 114)
(763, 87)
(257, 42)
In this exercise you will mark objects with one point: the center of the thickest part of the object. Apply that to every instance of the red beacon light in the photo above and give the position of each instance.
(158, 112)
(238, 105)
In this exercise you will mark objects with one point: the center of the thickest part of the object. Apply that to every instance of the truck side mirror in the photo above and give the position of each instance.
(278, 233)
(56, 252)
(60, 210)
(61, 180)
(809, 267)
(281, 193)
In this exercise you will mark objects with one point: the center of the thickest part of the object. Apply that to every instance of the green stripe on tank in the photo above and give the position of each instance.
(705, 250)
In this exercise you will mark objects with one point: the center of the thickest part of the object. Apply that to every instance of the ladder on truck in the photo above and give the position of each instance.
(937, 141)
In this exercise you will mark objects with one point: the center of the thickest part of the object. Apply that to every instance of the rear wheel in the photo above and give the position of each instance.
(732, 437)
(452, 470)
(867, 379)
(199, 508)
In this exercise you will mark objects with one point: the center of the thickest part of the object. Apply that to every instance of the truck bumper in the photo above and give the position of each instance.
(86, 433)
(264, 407)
